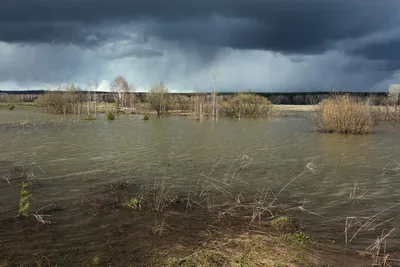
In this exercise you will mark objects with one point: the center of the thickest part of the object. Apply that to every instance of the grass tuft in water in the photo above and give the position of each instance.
(96, 261)
(12, 107)
(90, 117)
(132, 203)
(284, 224)
(110, 116)
(298, 238)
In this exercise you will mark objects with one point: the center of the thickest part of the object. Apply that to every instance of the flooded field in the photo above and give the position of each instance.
(326, 181)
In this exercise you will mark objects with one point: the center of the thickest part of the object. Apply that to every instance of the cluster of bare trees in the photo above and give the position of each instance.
(69, 99)
(63, 99)
(246, 105)
(6, 98)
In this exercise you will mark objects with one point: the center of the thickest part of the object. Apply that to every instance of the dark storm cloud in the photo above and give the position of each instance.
(288, 45)
(288, 26)
(48, 33)
(388, 51)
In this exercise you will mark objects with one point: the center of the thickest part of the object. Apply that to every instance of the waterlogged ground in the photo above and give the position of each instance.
(73, 164)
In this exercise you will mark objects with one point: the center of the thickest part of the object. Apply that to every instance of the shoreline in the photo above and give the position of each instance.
(103, 107)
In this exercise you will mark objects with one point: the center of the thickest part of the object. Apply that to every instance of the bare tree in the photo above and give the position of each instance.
(131, 98)
(158, 98)
(394, 93)
(119, 86)
(214, 112)
(91, 96)
(198, 104)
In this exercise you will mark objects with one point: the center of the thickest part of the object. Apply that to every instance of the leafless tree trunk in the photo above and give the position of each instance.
(91, 94)
(240, 109)
(214, 113)
(132, 96)
(196, 99)
(198, 104)
(201, 110)
(95, 102)
(88, 102)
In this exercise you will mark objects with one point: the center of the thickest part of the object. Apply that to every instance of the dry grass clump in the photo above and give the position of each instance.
(344, 114)
(247, 250)
(284, 224)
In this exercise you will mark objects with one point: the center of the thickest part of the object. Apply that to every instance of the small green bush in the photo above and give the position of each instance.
(299, 238)
(96, 260)
(90, 117)
(24, 201)
(146, 117)
(12, 107)
(110, 116)
(132, 203)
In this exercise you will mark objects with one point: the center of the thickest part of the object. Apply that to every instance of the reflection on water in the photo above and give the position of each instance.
(70, 156)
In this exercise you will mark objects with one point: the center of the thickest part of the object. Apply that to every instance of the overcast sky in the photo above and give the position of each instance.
(262, 45)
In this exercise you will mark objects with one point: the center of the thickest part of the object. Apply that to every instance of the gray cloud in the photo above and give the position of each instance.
(284, 26)
(177, 41)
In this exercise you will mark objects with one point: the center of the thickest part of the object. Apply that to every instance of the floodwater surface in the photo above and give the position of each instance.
(70, 158)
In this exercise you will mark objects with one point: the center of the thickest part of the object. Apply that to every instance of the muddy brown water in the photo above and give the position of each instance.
(71, 159)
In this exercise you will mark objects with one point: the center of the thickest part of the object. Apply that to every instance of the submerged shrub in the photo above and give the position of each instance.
(158, 98)
(11, 107)
(110, 116)
(90, 117)
(65, 100)
(146, 117)
(344, 114)
(246, 105)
